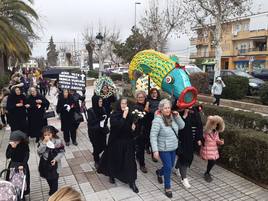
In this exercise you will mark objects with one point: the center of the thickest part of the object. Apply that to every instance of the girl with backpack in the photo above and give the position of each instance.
(50, 150)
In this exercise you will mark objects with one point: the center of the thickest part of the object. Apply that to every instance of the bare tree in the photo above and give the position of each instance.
(110, 38)
(90, 45)
(210, 15)
(159, 23)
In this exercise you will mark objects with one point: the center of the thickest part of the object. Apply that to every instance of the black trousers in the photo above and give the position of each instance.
(210, 165)
(217, 101)
(69, 133)
(53, 185)
(140, 150)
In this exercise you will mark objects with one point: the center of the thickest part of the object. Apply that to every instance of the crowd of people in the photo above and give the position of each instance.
(118, 136)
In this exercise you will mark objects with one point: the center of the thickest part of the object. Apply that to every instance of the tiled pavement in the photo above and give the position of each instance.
(78, 172)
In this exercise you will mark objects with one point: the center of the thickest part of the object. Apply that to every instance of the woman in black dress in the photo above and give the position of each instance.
(66, 108)
(17, 115)
(97, 127)
(118, 160)
(36, 106)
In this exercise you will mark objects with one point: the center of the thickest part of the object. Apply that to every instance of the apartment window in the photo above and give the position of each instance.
(237, 28)
(246, 27)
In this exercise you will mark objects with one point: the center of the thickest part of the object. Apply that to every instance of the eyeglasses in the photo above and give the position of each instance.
(141, 97)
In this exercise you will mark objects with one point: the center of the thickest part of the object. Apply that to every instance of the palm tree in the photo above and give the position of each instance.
(16, 20)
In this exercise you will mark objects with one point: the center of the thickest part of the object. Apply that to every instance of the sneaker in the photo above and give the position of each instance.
(159, 177)
(208, 177)
(143, 169)
(185, 183)
(168, 193)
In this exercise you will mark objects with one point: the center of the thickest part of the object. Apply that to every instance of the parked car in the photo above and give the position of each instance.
(120, 70)
(254, 83)
(191, 68)
(261, 74)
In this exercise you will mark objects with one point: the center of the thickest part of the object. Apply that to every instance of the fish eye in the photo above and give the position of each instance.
(169, 79)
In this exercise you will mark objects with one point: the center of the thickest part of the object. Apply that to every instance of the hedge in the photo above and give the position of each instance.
(241, 119)
(200, 81)
(264, 94)
(93, 74)
(246, 151)
(236, 87)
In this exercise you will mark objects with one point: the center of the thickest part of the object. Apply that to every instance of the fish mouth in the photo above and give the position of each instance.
(187, 98)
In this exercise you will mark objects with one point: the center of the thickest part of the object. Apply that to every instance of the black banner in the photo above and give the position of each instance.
(75, 81)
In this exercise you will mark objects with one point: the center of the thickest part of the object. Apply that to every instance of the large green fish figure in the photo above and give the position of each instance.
(166, 74)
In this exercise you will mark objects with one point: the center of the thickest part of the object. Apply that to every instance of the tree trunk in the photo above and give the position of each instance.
(5, 59)
(218, 50)
(2, 66)
(90, 60)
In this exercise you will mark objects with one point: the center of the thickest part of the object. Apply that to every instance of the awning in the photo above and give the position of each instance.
(209, 62)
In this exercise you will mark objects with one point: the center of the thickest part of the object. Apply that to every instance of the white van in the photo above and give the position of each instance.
(192, 68)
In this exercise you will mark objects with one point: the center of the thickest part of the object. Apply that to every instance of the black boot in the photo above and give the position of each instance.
(134, 187)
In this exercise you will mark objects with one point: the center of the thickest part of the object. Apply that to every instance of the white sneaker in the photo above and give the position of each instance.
(185, 183)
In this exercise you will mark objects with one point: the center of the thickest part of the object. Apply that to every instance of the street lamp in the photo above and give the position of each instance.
(99, 39)
(136, 3)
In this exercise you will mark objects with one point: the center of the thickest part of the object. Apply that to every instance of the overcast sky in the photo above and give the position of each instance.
(67, 19)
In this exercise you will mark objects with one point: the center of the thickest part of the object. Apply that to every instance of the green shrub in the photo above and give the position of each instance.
(93, 74)
(115, 77)
(125, 78)
(264, 94)
(241, 119)
(247, 152)
(236, 87)
(201, 82)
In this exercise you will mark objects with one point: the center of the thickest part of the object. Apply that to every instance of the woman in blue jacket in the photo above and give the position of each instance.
(164, 140)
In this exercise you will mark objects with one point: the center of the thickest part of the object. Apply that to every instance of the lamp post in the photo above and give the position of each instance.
(136, 3)
(99, 39)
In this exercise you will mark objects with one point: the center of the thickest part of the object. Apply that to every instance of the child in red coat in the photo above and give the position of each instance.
(209, 149)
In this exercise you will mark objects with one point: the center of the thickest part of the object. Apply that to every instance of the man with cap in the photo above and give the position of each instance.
(216, 90)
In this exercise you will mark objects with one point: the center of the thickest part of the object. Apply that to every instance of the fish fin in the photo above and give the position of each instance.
(146, 69)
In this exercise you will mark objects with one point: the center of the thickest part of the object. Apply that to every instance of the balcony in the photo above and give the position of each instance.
(249, 34)
(195, 55)
(253, 51)
(199, 41)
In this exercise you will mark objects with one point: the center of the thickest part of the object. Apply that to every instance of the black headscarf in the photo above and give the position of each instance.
(99, 111)
(118, 111)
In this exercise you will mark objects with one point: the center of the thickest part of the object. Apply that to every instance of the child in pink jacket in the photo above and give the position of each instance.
(209, 149)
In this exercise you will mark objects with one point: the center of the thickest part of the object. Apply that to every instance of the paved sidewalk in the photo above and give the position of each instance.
(78, 172)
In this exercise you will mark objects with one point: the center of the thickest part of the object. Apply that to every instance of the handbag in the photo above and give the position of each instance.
(78, 117)
(179, 150)
(49, 114)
